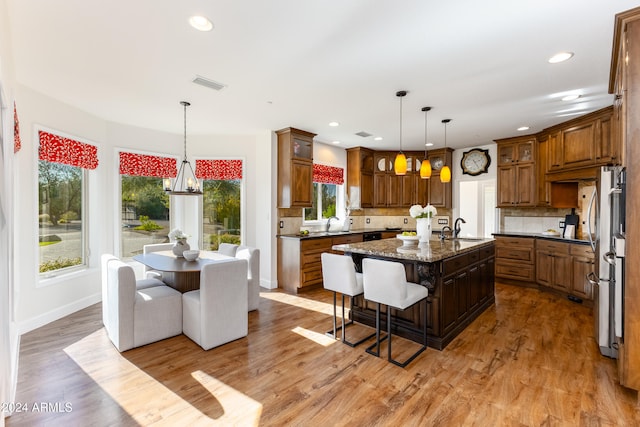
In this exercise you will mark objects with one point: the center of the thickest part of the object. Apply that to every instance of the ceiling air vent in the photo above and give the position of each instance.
(363, 134)
(212, 84)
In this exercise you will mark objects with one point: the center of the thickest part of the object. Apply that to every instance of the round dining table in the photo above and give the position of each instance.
(177, 272)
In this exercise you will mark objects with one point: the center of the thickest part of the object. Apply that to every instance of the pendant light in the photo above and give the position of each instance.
(185, 183)
(445, 172)
(400, 164)
(425, 167)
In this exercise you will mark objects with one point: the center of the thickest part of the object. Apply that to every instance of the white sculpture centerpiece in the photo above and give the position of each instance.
(180, 240)
(423, 216)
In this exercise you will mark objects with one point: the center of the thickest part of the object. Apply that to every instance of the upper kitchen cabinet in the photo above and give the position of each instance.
(582, 145)
(517, 171)
(295, 168)
(439, 192)
(360, 177)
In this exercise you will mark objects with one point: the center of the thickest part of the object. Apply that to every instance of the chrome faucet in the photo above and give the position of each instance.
(457, 226)
(329, 222)
(445, 228)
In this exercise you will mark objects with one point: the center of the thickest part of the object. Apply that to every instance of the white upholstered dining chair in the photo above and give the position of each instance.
(135, 317)
(228, 249)
(252, 255)
(216, 313)
(155, 247)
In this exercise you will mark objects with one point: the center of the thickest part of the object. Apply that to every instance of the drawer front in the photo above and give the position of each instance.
(515, 271)
(582, 251)
(487, 252)
(515, 253)
(454, 264)
(311, 259)
(474, 256)
(342, 240)
(310, 276)
(552, 246)
(515, 242)
(313, 244)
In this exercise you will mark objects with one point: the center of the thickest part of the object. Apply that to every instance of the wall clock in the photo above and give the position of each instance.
(475, 162)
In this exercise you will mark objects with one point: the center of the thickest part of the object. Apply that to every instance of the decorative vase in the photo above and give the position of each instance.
(423, 229)
(179, 247)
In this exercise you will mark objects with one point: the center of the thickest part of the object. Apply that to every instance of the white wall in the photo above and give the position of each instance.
(9, 338)
(39, 302)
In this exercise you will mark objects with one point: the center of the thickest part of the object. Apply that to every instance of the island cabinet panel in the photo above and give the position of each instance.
(460, 287)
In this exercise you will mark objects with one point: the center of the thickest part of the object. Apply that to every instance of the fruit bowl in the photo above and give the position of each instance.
(408, 240)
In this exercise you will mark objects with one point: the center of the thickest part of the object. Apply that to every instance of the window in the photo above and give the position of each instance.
(324, 202)
(145, 214)
(60, 216)
(221, 201)
(327, 193)
(62, 209)
(144, 203)
(221, 212)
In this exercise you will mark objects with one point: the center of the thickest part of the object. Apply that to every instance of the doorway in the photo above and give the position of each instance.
(478, 207)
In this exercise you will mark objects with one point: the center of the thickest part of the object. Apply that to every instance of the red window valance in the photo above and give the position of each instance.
(219, 169)
(17, 144)
(146, 165)
(328, 174)
(55, 148)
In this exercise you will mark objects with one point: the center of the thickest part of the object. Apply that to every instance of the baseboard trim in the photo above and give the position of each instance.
(269, 284)
(58, 313)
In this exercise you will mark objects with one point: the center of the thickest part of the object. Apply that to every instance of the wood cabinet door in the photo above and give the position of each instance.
(506, 154)
(366, 190)
(301, 183)
(554, 152)
(526, 151)
(506, 186)
(543, 187)
(449, 303)
(407, 190)
(476, 283)
(379, 190)
(439, 192)
(562, 276)
(462, 289)
(525, 184)
(394, 189)
(606, 146)
(580, 286)
(421, 193)
(578, 146)
(544, 268)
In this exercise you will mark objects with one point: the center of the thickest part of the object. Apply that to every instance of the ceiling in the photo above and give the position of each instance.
(307, 63)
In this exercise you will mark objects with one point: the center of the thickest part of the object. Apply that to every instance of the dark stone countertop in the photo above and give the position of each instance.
(433, 251)
(584, 241)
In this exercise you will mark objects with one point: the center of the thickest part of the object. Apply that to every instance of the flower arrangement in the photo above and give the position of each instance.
(177, 234)
(417, 211)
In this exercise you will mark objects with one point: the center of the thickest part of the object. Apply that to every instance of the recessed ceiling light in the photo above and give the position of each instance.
(572, 97)
(377, 138)
(334, 124)
(201, 23)
(523, 128)
(336, 142)
(560, 57)
(429, 144)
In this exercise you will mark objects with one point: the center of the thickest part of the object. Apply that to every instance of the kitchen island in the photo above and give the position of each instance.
(459, 274)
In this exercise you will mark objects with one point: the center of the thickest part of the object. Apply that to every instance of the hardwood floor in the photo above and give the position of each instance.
(529, 360)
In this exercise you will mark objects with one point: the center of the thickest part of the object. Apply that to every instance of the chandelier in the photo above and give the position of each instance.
(185, 183)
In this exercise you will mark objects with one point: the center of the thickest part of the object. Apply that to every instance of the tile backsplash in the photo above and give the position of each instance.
(531, 224)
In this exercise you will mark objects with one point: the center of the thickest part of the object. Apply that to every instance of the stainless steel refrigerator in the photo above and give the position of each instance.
(605, 228)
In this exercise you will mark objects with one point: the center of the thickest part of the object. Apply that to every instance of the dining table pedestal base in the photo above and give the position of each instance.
(182, 281)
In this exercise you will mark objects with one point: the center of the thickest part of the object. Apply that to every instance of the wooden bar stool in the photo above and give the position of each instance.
(339, 275)
(385, 282)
